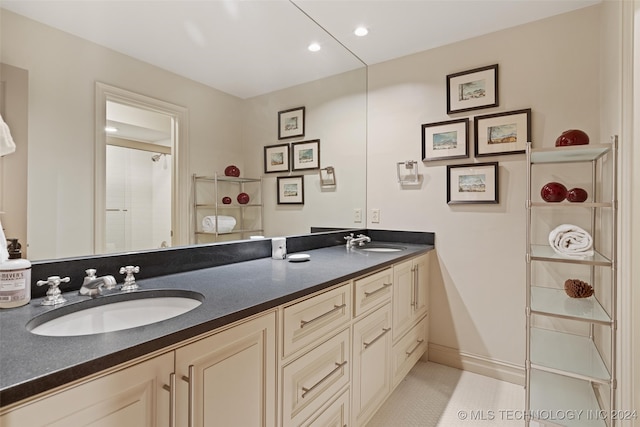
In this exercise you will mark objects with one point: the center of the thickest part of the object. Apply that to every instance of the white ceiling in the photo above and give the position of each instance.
(251, 47)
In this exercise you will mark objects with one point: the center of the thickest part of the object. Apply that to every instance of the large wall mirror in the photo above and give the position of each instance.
(230, 102)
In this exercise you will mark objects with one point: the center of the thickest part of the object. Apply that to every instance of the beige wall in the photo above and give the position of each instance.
(13, 167)
(63, 70)
(336, 115)
(551, 66)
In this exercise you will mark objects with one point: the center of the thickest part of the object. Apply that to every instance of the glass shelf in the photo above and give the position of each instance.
(555, 302)
(213, 233)
(565, 205)
(567, 352)
(226, 178)
(546, 253)
(232, 206)
(578, 153)
(564, 401)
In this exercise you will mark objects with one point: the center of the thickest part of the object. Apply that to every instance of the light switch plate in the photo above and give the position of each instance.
(375, 216)
(357, 215)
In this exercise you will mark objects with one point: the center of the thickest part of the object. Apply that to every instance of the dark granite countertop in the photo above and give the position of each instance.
(31, 364)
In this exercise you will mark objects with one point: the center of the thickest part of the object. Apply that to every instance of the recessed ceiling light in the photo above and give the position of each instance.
(314, 47)
(110, 129)
(361, 31)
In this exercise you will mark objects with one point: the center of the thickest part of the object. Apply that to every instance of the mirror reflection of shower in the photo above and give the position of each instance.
(138, 191)
(156, 158)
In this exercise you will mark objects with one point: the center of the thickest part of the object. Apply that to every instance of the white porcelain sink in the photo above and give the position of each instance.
(381, 247)
(115, 313)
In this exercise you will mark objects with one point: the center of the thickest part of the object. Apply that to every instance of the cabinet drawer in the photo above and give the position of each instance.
(336, 414)
(310, 320)
(408, 350)
(372, 291)
(312, 379)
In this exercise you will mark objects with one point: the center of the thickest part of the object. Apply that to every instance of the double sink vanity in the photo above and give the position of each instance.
(223, 335)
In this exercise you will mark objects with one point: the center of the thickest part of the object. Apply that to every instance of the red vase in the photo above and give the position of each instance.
(243, 198)
(572, 137)
(577, 195)
(553, 192)
(232, 170)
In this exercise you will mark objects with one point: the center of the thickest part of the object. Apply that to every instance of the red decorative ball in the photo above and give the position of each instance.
(226, 200)
(577, 195)
(232, 170)
(243, 198)
(572, 137)
(553, 192)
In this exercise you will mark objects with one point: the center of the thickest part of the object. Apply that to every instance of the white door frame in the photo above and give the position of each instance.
(179, 163)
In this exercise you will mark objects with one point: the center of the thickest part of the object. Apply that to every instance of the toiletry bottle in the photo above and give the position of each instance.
(15, 278)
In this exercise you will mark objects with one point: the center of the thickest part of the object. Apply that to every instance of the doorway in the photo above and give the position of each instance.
(141, 172)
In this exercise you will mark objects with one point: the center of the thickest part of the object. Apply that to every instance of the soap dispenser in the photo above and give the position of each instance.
(15, 278)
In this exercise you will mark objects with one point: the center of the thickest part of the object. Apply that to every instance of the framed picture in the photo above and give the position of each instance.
(502, 133)
(445, 140)
(472, 90)
(291, 190)
(291, 123)
(276, 158)
(472, 183)
(305, 155)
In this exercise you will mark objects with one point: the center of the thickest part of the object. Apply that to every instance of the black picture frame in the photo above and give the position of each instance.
(291, 123)
(276, 158)
(290, 190)
(502, 133)
(473, 183)
(305, 155)
(445, 140)
(472, 89)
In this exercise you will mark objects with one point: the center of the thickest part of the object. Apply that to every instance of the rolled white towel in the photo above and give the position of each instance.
(225, 223)
(571, 240)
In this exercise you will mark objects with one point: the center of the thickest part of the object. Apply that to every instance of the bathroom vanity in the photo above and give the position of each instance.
(313, 343)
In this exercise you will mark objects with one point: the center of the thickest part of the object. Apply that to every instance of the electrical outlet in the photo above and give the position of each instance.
(375, 215)
(357, 215)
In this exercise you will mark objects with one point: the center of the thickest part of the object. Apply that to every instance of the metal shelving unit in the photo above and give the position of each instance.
(248, 216)
(565, 370)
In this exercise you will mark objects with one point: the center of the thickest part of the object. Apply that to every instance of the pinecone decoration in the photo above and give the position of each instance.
(577, 288)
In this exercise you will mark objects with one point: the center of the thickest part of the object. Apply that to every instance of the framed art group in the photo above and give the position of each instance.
(493, 134)
(297, 156)
(294, 156)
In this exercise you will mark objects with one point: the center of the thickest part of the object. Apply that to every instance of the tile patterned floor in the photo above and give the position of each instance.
(434, 395)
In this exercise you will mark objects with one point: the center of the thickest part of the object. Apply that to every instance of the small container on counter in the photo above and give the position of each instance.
(15, 278)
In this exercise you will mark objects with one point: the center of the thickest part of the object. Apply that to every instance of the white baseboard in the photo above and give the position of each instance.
(475, 363)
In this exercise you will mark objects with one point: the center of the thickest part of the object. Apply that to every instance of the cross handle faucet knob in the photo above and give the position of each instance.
(129, 281)
(54, 295)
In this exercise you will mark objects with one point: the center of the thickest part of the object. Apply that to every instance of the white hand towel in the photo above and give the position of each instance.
(225, 223)
(4, 253)
(571, 240)
(7, 146)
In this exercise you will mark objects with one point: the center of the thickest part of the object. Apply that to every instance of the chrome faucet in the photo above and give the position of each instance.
(360, 240)
(93, 285)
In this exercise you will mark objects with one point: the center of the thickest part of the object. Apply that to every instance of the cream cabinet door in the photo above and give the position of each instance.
(132, 397)
(228, 379)
(410, 293)
(371, 363)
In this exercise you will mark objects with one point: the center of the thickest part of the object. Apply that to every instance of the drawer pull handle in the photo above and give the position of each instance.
(409, 353)
(190, 380)
(384, 331)
(336, 369)
(335, 308)
(171, 388)
(384, 286)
